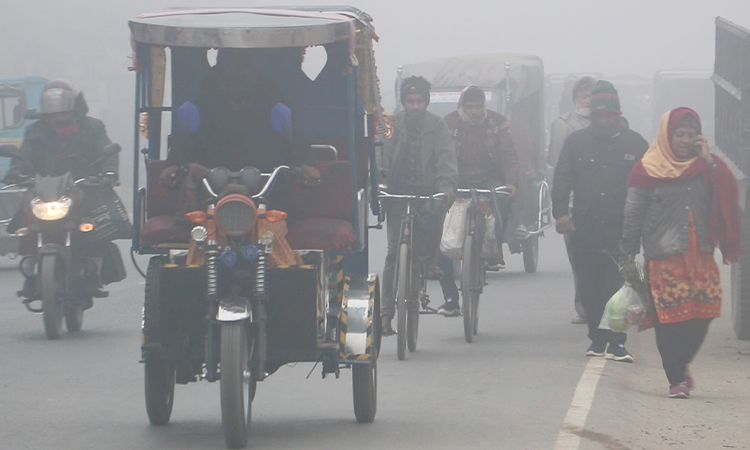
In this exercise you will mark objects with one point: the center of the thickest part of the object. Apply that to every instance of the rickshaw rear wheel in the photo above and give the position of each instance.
(365, 388)
(469, 287)
(530, 248)
(52, 277)
(159, 374)
(402, 290)
(235, 419)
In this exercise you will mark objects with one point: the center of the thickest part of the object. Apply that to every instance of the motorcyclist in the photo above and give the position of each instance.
(486, 159)
(66, 140)
(418, 158)
(240, 118)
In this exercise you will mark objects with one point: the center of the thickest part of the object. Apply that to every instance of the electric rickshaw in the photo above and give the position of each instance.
(514, 87)
(237, 288)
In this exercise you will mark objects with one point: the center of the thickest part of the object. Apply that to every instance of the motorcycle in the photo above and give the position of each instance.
(66, 243)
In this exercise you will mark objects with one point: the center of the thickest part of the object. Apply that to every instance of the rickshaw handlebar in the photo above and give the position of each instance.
(266, 188)
(503, 190)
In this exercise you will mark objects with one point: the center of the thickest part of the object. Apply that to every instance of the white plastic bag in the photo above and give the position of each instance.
(491, 251)
(624, 310)
(454, 229)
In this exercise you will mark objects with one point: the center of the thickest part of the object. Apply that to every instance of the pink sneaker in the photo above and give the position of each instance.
(680, 390)
(689, 379)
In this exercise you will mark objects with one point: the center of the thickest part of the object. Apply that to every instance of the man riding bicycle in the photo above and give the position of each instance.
(486, 159)
(418, 158)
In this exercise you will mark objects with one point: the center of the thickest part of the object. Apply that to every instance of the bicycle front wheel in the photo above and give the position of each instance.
(470, 287)
(402, 294)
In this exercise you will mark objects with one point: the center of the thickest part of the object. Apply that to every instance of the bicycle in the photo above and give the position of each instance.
(409, 274)
(473, 271)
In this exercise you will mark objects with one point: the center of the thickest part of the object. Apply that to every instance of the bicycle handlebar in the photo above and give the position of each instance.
(504, 190)
(385, 194)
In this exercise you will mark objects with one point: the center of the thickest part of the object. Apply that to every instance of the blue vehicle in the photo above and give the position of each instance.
(18, 97)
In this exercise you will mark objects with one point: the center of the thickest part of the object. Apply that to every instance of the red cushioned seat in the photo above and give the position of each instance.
(322, 234)
(165, 230)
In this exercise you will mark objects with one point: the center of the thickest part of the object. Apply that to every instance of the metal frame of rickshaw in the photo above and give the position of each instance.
(357, 280)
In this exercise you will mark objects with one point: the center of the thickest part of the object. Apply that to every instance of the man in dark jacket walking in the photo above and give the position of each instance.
(486, 159)
(594, 165)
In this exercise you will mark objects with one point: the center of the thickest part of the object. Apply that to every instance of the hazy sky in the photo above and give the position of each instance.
(86, 39)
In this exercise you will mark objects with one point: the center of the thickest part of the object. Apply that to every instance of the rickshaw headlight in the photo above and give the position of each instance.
(235, 215)
(51, 210)
(199, 234)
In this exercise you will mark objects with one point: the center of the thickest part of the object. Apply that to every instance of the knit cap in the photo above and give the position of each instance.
(604, 97)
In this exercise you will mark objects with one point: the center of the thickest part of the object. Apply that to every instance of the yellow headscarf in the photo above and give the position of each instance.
(659, 160)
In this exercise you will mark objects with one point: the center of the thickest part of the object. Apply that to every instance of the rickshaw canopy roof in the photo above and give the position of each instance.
(487, 71)
(258, 27)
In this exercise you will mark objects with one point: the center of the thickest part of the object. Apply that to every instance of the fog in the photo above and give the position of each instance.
(87, 41)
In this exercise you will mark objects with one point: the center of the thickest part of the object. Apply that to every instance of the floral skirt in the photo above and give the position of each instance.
(686, 286)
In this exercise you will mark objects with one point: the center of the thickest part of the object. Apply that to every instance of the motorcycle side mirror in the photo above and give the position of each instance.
(9, 151)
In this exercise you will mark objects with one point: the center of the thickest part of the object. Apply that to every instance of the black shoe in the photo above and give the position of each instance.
(596, 349)
(386, 328)
(617, 352)
(450, 309)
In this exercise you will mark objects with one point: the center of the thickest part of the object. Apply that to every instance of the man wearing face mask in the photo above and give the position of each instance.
(594, 166)
(65, 139)
(561, 128)
(486, 159)
(418, 158)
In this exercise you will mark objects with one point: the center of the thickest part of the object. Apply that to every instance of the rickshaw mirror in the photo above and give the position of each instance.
(218, 178)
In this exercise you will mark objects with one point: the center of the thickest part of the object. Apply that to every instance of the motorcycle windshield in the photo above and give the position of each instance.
(49, 189)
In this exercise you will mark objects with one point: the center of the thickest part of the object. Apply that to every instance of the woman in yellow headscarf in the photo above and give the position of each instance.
(682, 202)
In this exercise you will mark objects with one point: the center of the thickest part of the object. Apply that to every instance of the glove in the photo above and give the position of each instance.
(450, 197)
(109, 179)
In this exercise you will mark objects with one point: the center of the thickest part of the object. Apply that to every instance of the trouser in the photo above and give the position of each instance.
(678, 344)
(394, 212)
(501, 211)
(576, 298)
(598, 279)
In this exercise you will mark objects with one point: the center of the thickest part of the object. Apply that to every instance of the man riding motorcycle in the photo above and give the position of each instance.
(67, 140)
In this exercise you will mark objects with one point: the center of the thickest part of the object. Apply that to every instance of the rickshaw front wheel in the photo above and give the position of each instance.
(235, 419)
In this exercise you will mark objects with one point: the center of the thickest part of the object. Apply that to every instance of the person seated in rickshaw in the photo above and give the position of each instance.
(418, 159)
(486, 159)
(239, 119)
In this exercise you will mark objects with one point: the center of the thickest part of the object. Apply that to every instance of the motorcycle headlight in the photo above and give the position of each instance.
(51, 210)
(235, 215)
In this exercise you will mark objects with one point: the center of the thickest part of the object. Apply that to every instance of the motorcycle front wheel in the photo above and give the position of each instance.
(236, 385)
(52, 278)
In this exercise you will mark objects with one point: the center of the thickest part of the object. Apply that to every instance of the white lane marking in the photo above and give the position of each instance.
(575, 420)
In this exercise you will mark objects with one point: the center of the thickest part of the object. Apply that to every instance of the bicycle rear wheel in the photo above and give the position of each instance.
(402, 289)
(412, 326)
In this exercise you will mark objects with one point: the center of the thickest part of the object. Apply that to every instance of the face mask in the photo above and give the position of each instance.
(583, 111)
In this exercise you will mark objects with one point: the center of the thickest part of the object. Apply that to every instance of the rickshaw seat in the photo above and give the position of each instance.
(332, 199)
(160, 200)
(164, 230)
(322, 234)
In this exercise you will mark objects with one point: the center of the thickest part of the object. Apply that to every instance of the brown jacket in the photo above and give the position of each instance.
(499, 144)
